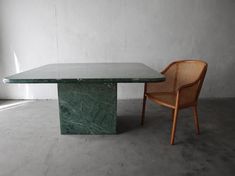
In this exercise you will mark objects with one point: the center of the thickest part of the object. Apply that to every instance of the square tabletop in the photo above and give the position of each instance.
(87, 72)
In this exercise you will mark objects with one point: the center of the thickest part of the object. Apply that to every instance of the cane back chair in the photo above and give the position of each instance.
(181, 89)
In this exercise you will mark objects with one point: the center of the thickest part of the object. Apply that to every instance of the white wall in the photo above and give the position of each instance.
(154, 32)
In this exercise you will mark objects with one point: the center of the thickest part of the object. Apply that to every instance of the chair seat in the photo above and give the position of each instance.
(163, 98)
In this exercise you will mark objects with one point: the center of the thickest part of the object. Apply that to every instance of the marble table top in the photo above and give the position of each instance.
(87, 72)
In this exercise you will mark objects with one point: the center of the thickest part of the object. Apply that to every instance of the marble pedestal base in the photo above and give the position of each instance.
(87, 108)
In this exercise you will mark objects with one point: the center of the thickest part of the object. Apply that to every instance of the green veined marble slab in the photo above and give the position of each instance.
(88, 72)
(88, 108)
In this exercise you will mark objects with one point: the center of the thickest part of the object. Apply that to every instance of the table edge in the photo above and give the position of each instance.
(113, 80)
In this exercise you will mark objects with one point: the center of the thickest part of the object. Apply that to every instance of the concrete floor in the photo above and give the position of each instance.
(31, 144)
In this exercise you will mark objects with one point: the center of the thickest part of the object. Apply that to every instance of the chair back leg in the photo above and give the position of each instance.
(143, 110)
(172, 114)
(196, 123)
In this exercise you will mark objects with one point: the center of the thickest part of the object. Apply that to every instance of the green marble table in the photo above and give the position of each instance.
(88, 91)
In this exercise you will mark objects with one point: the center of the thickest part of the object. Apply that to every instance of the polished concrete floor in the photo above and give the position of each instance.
(31, 144)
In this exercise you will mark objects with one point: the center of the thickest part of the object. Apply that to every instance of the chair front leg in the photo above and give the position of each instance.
(173, 130)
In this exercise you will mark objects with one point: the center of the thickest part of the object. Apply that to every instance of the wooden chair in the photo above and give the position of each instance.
(181, 89)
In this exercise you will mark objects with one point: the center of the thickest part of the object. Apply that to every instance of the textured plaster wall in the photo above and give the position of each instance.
(154, 32)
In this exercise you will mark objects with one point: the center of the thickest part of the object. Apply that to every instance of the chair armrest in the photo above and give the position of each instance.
(188, 93)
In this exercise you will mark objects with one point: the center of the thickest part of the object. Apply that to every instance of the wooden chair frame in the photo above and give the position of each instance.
(177, 106)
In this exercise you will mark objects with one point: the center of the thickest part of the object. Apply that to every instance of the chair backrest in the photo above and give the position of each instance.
(183, 72)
